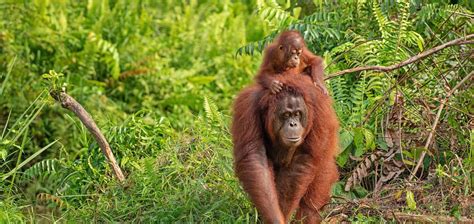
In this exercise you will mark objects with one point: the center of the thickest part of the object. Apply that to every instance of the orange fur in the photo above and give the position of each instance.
(273, 64)
(305, 185)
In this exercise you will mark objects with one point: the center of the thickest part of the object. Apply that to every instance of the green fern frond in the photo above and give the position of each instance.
(358, 101)
(274, 14)
(107, 52)
(457, 8)
(314, 28)
(320, 16)
(313, 32)
(250, 48)
(212, 112)
(339, 90)
(375, 85)
(428, 11)
(381, 20)
(43, 167)
(404, 23)
(413, 38)
(341, 48)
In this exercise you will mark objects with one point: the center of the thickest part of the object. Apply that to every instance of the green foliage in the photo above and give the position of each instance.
(105, 52)
(395, 43)
(369, 103)
(274, 14)
(9, 213)
(41, 167)
(410, 198)
(159, 78)
(142, 70)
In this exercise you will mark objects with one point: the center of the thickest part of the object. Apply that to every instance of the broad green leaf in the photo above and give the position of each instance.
(342, 158)
(345, 140)
(369, 139)
(411, 200)
(359, 142)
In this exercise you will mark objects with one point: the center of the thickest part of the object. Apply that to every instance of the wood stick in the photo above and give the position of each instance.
(71, 104)
(422, 55)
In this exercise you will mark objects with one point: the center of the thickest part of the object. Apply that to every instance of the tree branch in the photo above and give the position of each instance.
(71, 104)
(422, 55)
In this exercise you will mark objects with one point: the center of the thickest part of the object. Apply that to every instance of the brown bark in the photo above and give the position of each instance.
(71, 104)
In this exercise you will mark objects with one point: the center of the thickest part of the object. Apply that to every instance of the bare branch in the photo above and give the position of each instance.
(422, 55)
(71, 104)
(435, 124)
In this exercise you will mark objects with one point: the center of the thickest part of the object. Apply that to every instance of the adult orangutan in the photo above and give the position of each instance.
(284, 149)
(289, 54)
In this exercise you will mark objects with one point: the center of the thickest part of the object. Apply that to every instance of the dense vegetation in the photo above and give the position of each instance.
(159, 78)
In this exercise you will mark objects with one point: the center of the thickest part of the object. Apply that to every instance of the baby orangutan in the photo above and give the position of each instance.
(288, 55)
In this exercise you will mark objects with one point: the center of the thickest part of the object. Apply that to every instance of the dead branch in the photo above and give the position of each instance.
(401, 217)
(71, 104)
(435, 124)
(422, 55)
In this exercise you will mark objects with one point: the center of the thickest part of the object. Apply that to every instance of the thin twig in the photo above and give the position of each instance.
(435, 124)
(71, 104)
(422, 55)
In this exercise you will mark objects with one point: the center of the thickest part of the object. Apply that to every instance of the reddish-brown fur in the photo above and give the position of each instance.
(272, 66)
(305, 184)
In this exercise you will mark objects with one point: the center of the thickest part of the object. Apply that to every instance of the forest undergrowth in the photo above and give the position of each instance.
(159, 79)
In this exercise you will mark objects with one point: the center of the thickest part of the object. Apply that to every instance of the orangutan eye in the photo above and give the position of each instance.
(286, 115)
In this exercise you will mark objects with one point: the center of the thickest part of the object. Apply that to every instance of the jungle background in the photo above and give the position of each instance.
(159, 78)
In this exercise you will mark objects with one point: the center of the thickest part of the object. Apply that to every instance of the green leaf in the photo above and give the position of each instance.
(338, 188)
(3, 154)
(342, 158)
(455, 211)
(124, 161)
(411, 201)
(359, 142)
(201, 79)
(369, 139)
(408, 162)
(382, 143)
(345, 140)
(297, 12)
(360, 191)
(420, 44)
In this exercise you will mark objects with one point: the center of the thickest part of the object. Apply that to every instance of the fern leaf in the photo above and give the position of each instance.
(46, 166)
